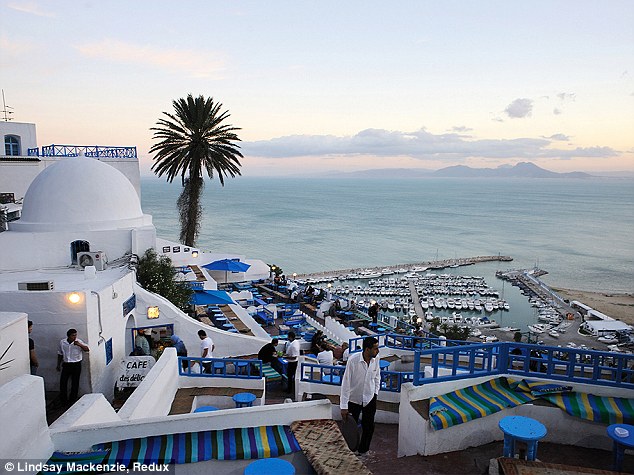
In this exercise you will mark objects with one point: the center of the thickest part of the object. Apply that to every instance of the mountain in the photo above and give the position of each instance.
(520, 170)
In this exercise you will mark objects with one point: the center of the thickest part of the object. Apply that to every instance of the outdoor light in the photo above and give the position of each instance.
(419, 320)
(329, 284)
(372, 302)
(74, 297)
(294, 275)
(194, 254)
(153, 312)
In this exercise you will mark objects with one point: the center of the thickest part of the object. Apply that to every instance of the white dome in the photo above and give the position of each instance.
(80, 193)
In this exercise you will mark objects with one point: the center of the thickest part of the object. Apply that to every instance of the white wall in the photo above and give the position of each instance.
(14, 340)
(82, 438)
(226, 344)
(23, 412)
(416, 436)
(154, 396)
(90, 409)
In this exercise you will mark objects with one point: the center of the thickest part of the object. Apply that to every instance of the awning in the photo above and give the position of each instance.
(211, 297)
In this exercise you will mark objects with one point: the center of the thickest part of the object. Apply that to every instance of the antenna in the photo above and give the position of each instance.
(7, 113)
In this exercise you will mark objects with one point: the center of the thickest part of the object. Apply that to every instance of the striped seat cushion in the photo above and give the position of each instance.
(269, 373)
(228, 444)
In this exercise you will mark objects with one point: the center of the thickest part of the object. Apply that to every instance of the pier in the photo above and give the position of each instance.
(431, 265)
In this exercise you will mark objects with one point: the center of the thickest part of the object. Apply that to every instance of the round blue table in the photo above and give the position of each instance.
(621, 442)
(206, 409)
(244, 399)
(270, 466)
(523, 429)
(384, 364)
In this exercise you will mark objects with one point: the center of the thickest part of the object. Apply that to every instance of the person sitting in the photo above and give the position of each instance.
(181, 350)
(345, 354)
(316, 342)
(141, 345)
(268, 355)
(325, 356)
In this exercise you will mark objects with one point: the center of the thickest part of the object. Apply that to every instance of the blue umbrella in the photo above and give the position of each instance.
(211, 297)
(227, 265)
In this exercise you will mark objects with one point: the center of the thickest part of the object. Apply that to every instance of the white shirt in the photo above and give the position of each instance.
(346, 354)
(292, 350)
(361, 382)
(70, 352)
(208, 344)
(326, 357)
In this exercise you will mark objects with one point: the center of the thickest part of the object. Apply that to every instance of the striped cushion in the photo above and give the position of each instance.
(608, 410)
(228, 444)
(495, 395)
(269, 373)
(473, 402)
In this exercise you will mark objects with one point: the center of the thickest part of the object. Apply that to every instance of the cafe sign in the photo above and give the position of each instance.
(133, 370)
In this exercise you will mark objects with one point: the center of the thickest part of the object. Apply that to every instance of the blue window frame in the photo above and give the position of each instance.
(11, 145)
(129, 305)
(108, 351)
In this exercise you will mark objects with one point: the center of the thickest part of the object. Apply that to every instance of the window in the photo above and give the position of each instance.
(11, 145)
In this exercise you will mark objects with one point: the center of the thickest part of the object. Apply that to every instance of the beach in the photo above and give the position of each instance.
(616, 305)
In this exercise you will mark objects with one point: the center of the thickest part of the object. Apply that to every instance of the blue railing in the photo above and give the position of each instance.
(322, 374)
(564, 364)
(96, 151)
(408, 342)
(235, 368)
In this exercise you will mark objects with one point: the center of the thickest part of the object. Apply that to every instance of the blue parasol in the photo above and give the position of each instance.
(227, 265)
(211, 297)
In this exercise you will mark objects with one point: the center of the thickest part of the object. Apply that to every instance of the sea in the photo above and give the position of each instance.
(580, 231)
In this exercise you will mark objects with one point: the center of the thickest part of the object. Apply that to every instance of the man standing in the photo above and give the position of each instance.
(141, 345)
(373, 312)
(69, 357)
(32, 355)
(359, 389)
(292, 355)
(206, 349)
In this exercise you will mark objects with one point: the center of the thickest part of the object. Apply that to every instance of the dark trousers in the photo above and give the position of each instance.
(72, 371)
(367, 422)
(291, 369)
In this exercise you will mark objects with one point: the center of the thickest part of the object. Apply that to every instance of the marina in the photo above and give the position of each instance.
(438, 330)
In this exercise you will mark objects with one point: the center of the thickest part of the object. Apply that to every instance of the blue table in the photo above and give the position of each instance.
(244, 399)
(270, 466)
(206, 409)
(384, 364)
(523, 429)
(621, 442)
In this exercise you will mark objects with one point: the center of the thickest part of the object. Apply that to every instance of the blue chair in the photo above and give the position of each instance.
(244, 399)
(270, 466)
(523, 429)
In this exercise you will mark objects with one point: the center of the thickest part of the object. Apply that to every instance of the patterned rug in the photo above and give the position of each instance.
(325, 448)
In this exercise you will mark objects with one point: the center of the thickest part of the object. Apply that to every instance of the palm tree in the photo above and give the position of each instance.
(194, 142)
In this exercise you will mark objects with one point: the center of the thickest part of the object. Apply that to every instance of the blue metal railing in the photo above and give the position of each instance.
(96, 151)
(322, 374)
(235, 368)
(521, 359)
(408, 342)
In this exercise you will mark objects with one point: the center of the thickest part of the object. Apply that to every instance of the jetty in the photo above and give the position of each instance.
(430, 265)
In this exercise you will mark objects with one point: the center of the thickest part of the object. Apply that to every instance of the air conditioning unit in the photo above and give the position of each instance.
(42, 285)
(97, 259)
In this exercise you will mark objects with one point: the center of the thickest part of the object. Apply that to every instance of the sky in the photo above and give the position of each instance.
(335, 86)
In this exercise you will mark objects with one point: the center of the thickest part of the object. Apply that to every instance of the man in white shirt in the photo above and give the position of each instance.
(325, 356)
(206, 349)
(359, 389)
(292, 355)
(69, 355)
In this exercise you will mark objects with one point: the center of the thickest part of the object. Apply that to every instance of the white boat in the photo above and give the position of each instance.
(608, 339)
(554, 333)
(539, 327)
(488, 306)
(475, 332)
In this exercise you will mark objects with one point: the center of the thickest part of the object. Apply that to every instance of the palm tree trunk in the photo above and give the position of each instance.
(190, 210)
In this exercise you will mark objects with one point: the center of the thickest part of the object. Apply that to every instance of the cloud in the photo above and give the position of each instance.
(560, 137)
(420, 144)
(567, 96)
(519, 108)
(461, 129)
(31, 8)
(196, 64)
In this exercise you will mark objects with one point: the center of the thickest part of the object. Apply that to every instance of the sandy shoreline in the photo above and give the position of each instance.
(620, 306)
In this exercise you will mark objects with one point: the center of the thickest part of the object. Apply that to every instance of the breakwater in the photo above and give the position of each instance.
(431, 265)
